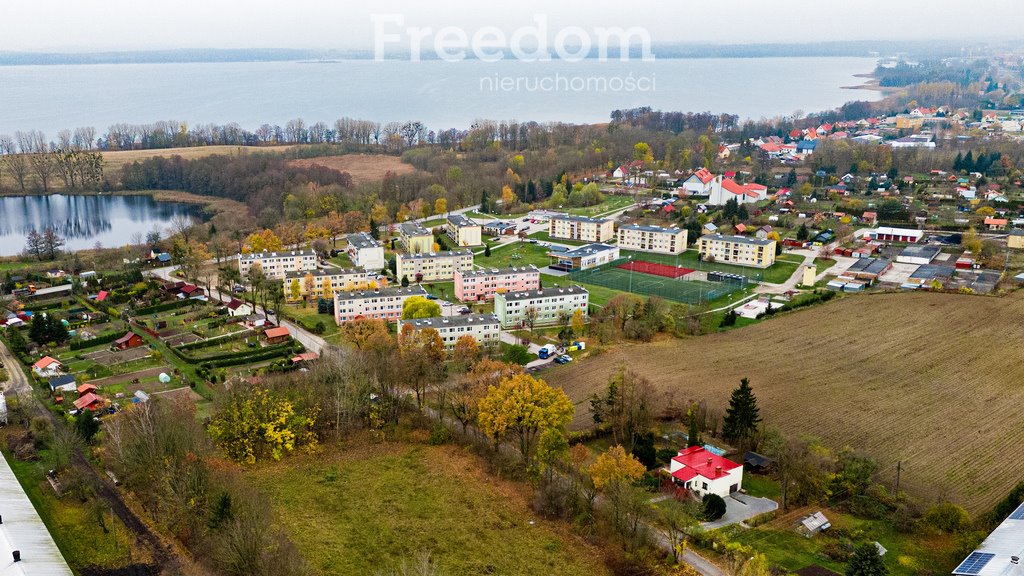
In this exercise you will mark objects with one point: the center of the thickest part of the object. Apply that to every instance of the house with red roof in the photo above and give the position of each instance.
(703, 472)
(277, 335)
(742, 193)
(237, 307)
(996, 223)
(129, 340)
(700, 183)
(47, 367)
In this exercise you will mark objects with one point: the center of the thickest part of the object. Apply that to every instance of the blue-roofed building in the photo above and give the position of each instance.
(806, 146)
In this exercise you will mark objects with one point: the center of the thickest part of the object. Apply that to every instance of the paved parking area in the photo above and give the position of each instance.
(740, 507)
(899, 273)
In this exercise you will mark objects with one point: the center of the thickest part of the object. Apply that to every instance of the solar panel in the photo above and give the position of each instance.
(1017, 514)
(973, 563)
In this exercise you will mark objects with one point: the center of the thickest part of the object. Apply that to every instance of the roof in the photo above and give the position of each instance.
(413, 229)
(869, 265)
(102, 296)
(45, 361)
(441, 254)
(573, 218)
(453, 321)
(362, 240)
(87, 400)
(890, 231)
(276, 332)
(23, 530)
(380, 293)
(703, 175)
(697, 461)
(996, 221)
(755, 459)
(994, 556)
(325, 273)
(500, 224)
(280, 254)
(646, 228)
(460, 221)
(815, 522)
(542, 293)
(86, 388)
(587, 250)
(62, 380)
(921, 251)
(738, 239)
(126, 338)
(497, 271)
(235, 304)
(305, 356)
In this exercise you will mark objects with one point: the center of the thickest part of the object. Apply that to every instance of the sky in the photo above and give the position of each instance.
(105, 25)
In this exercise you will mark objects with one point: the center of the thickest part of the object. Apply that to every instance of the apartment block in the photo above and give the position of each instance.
(433, 266)
(324, 283)
(381, 304)
(484, 328)
(479, 285)
(581, 228)
(512, 308)
(583, 257)
(463, 231)
(415, 238)
(738, 250)
(277, 264)
(652, 239)
(366, 252)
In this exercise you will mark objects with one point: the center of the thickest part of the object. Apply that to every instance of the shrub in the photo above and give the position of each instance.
(714, 507)
(440, 434)
(947, 517)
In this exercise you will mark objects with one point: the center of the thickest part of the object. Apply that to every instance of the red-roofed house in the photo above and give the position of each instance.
(190, 291)
(704, 472)
(102, 296)
(89, 401)
(700, 183)
(86, 389)
(237, 307)
(996, 223)
(742, 193)
(47, 367)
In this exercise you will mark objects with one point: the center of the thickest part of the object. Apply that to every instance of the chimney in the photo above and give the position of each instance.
(17, 555)
(718, 469)
(710, 461)
(1014, 559)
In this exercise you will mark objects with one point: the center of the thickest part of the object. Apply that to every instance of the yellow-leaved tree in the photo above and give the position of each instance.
(524, 407)
(615, 465)
(253, 422)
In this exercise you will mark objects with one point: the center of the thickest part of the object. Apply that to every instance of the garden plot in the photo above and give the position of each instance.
(110, 358)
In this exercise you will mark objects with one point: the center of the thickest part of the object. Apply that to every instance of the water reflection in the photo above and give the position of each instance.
(84, 220)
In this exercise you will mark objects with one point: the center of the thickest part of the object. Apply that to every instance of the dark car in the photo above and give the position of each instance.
(563, 359)
(465, 311)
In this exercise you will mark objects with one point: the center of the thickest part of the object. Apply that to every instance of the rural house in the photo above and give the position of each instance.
(47, 367)
(703, 472)
(129, 340)
(277, 335)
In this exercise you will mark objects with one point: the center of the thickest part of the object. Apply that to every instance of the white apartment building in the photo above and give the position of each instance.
(484, 328)
(738, 250)
(365, 251)
(336, 279)
(381, 304)
(463, 231)
(581, 228)
(584, 257)
(415, 238)
(548, 302)
(277, 264)
(652, 239)
(433, 266)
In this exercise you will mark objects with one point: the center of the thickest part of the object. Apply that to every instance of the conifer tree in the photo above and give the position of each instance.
(743, 416)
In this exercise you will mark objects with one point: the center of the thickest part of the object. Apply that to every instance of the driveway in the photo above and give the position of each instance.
(740, 507)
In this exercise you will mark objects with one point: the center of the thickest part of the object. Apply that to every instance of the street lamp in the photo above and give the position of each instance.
(630, 258)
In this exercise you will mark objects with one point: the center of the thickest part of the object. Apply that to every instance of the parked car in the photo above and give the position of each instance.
(465, 311)
(526, 219)
(563, 359)
(431, 297)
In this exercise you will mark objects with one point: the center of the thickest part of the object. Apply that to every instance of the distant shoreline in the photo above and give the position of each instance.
(871, 84)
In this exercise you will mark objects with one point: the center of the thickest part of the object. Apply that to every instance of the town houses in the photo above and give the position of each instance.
(277, 264)
(478, 285)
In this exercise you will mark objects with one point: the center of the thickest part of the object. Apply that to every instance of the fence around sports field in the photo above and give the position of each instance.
(691, 288)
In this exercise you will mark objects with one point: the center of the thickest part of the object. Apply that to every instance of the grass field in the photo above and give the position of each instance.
(610, 204)
(362, 167)
(544, 236)
(362, 506)
(932, 380)
(514, 254)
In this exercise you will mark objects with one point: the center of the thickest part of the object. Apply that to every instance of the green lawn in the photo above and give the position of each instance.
(341, 260)
(443, 290)
(610, 204)
(822, 264)
(362, 506)
(483, 216)
(515, 254)
(72, 524)
(431, 224)
(545, 237)
(761, 486)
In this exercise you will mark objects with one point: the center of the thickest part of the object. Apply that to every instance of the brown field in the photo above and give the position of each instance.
(934, 380)
(112, 161)
(362, 167)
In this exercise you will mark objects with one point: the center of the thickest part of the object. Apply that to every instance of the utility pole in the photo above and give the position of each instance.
(899, 468)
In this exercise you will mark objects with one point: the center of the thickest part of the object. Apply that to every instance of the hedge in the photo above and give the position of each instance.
(162, 307)
(200, 344)
(243, 354)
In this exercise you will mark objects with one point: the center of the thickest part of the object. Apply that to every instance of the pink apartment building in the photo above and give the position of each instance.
(481, 285)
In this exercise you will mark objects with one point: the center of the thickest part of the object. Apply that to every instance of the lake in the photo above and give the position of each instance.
(439, 94)
(84, 220)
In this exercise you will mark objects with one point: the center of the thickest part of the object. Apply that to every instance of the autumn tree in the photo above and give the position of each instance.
(466, 352)
(626, 407)
(294, 290)
(254, 422)
(578, 322)
(422, 357)
(263, 241)
(524, 407)
(360, 331)
(416, 307)
(440, 206)
(508, 198)
(615, 465)
(308, 283)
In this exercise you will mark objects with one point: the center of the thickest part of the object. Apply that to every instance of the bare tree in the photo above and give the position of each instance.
(16, 163)
(34, 144)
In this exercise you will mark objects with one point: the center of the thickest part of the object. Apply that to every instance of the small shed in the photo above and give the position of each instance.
(757, 463)
(89, 401)
(814, 523)
(129, 340)
(277, 335)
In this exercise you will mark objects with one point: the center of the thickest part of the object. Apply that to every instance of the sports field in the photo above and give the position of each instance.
(655, 269)
(655, 279)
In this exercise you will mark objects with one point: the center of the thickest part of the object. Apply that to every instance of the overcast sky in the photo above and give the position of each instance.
(79, 25)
